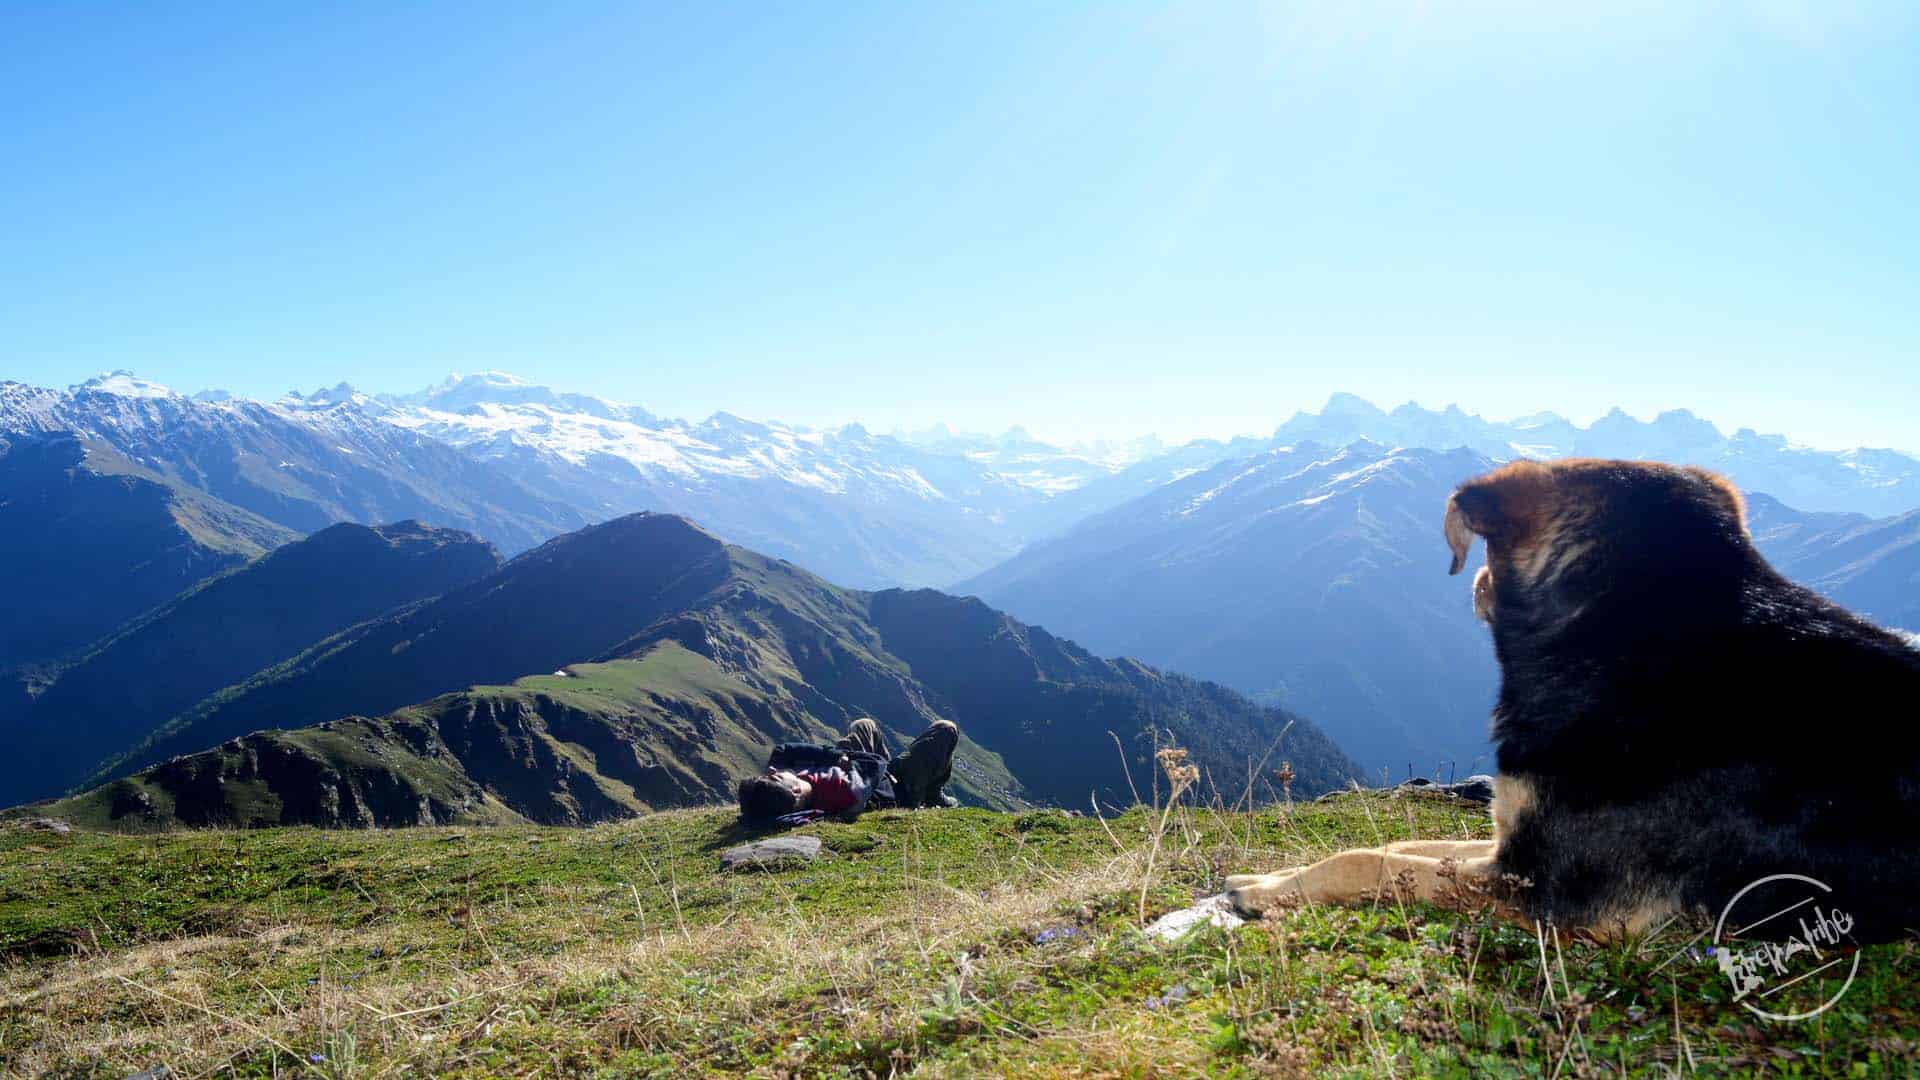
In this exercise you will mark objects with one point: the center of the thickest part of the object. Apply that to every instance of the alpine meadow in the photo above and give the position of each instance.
(1227, 539)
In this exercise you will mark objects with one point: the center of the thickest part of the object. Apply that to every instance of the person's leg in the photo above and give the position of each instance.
(864, 735)
(924, 768)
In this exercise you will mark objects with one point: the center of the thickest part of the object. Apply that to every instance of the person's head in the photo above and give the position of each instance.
(772, 794)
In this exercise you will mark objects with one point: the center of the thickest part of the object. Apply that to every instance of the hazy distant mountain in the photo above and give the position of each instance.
(1869, 565)
(862, 508)
(1032, 463)
(303, 466)
(684, 660)
(1314, 577)
(1876, 482)
(90, 540)
(105, 699)
(921, 508)
(1310, 575)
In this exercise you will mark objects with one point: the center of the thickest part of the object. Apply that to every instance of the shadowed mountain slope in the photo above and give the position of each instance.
(569, 599)
(90, 540)
(1869, 565)
(114, 694)
(1309, 576)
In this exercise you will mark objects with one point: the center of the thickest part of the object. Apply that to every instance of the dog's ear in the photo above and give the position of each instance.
(1459, 531)
(1504, 505)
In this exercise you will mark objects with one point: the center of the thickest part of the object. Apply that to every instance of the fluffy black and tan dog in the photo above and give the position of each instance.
(1675, 721)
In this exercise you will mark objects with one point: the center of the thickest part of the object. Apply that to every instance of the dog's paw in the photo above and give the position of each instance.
(1253, 895)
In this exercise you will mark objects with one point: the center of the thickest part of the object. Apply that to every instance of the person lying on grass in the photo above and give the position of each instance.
(863, 776)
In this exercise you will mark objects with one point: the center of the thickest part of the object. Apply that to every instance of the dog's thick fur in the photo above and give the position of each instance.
(1676, 720)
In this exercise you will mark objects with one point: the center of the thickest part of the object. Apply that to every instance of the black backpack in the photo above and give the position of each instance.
(798, 756)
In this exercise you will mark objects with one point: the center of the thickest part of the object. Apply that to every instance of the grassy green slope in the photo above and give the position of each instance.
(602, 741)
(926, 943)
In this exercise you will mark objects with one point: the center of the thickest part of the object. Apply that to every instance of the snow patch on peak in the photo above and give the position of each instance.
(475, 381)
(468, 393)
(497, 378)
(124, 383)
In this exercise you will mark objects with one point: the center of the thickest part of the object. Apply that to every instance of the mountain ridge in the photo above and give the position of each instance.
(687, 669)
(1300, 575)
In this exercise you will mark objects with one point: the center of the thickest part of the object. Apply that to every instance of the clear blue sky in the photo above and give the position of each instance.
(1090, 220)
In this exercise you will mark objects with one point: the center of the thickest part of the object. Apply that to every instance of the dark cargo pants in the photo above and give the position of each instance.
(923, 770)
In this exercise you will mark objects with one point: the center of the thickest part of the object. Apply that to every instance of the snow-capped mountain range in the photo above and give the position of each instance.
(304, 468)
(1866, 481)
(517, 463)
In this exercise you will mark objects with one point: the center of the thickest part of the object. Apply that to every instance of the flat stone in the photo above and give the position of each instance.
(1212, 911)
(772, 851)
(45, 824)
(158, 1072)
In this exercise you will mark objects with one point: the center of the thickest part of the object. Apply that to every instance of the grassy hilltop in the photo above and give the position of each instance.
(930, 942)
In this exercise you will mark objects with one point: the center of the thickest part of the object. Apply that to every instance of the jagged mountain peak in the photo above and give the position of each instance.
(1686, 421)
(1873, 482)
(1341, 403)
(342, 393)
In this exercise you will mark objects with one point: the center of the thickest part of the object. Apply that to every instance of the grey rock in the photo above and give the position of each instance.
(1210, 911)
(158, 1072)
(1475, 789)
(762, 854)
(43, 824)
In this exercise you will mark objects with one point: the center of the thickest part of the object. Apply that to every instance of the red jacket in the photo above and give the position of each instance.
(836, 790)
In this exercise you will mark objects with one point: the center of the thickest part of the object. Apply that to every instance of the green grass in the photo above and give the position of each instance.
(930, 942)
